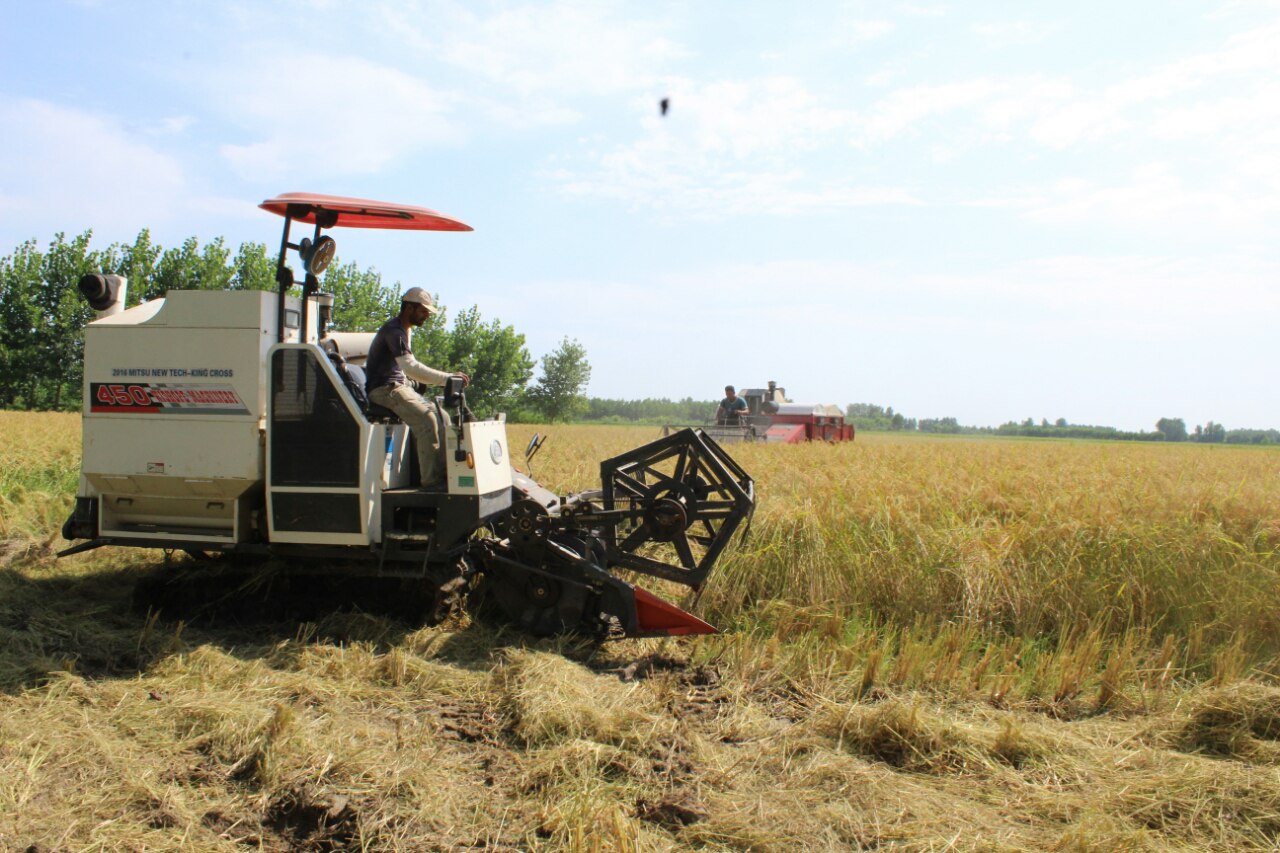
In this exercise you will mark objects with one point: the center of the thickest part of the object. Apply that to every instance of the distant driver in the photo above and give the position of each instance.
(388, 370)
(731, 408)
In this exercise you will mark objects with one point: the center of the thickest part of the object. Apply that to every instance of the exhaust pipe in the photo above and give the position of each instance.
(104, 293)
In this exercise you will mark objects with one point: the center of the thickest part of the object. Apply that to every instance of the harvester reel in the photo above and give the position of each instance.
(693, 496)
(664, 520)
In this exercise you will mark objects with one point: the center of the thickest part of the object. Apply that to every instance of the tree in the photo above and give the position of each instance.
(42, 319)
(1173, 429)
(59, 345)
(565, 374)
(19, 325)
(495, 358)
(649, 410)
(138, 264)
(254, 269)
(942, 425)
(870, 417)
(361, 302)
(1212, 433)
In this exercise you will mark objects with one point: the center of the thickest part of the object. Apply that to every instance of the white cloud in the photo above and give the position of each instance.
(69, 169)
(1081, 121)
(562, 49)
(904, 108)
(1155, 198)
(727, 147)
(364, 117)
(917, 10)
(1232, 90)
(730, 145)
(170, 126)
(864, 30)
(1012, 32)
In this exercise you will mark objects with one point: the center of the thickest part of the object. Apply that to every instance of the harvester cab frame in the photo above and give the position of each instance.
(236, 423)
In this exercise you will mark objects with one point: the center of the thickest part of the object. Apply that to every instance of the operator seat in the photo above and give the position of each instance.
(353, 377)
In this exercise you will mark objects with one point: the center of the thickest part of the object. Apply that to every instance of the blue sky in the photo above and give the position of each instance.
(979, 210)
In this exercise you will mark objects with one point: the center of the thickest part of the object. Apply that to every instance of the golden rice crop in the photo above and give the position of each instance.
(1038, 540)
(39, 466)
(965, 644)
(1026, 539)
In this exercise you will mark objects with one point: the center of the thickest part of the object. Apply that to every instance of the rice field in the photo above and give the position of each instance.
(929, 644)
(1034, 545)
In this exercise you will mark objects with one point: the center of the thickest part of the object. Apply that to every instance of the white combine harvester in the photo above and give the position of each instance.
(231, 422)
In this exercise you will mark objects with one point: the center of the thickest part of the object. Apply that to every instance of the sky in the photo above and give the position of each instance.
(987, 211)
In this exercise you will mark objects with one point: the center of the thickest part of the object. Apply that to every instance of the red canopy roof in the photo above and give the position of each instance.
(362, 213)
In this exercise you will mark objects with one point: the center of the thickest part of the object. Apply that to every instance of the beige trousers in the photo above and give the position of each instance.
(419, 413)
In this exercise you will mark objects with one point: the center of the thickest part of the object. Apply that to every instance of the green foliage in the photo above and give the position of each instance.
(365, 304)
(1210, 433)
(565, 374)
(873, 418)
(495, 358)
(944, 426)
(60, 348)
(1252, 436)
(1173, 429)
(254, 269)
(1027, 429)
(189, 268)
(19, 326)
(649, 410)
(42, 315)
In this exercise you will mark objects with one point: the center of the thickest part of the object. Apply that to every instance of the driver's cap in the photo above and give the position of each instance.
(420, 296)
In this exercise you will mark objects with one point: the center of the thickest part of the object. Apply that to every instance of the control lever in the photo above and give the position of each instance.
(456, 399)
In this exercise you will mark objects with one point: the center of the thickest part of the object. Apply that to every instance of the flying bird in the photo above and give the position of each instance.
(664, 105)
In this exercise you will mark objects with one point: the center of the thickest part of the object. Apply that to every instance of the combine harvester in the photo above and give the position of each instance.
(772, 417)
(231, 423)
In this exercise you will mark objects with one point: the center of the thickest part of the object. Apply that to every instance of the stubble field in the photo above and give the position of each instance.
(930, 644)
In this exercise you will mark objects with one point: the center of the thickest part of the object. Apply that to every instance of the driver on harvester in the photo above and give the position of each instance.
(389, 369)
(731, 408)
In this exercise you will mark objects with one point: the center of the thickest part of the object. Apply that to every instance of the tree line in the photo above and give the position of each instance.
(42, 320)
(873, 418)
(650, 410)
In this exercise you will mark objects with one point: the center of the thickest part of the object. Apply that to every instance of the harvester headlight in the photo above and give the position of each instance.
(317, 256)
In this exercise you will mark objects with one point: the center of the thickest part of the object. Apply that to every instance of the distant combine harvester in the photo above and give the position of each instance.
(772, 417)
